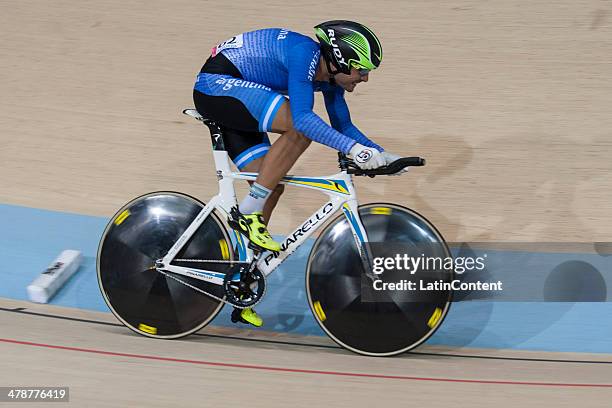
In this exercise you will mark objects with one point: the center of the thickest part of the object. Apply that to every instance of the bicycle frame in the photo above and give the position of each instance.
(339, 187)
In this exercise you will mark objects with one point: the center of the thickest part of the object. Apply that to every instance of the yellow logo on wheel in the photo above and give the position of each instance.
(435, 318)
(319, 310)
(147, 329)
(122, 217)
(380, 211)
(224, 249)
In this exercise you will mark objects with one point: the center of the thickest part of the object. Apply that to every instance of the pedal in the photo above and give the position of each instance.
(232, 221)
(256, 248)
(234, 225)
(236, 318)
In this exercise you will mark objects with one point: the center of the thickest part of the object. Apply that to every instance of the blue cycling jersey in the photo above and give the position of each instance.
(286, 62)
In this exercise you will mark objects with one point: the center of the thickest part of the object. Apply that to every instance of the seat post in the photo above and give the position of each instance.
(216, 134)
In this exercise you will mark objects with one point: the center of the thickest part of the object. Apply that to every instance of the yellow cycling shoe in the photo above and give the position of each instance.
(248, 316)
(254, 227)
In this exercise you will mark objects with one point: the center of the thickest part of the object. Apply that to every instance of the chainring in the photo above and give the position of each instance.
(244, 288)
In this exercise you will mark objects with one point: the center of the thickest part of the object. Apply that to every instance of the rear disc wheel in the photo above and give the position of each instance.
(140, 233)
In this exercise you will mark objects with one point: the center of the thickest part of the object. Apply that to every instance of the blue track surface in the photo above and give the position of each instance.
(32, 238)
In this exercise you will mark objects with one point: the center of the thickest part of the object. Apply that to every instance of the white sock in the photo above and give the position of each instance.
(255, 200)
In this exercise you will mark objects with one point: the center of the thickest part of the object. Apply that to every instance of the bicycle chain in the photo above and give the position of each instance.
(221, 261)
(227, 302)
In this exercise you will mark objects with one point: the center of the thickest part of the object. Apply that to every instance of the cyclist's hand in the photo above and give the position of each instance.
(390, 158)
(366, 158)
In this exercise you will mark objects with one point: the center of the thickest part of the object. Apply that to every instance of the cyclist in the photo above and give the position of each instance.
(243, 85)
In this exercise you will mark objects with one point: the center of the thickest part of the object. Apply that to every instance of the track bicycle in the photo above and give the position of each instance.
(167, 263)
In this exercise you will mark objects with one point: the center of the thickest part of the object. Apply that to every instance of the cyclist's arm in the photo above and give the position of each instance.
(340, 118)
(301, 95)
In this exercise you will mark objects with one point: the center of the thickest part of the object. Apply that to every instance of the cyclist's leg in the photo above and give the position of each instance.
(272, 200)
(247, 151)
(284, 151)
(247, 110)
(282, 155)
(279, 159)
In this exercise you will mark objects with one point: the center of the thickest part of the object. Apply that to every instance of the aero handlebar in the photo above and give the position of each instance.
(351, 168)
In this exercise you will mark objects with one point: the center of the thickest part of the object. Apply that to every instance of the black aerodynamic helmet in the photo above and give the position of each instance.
(346, 44)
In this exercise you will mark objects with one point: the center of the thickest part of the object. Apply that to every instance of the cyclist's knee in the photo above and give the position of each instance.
(283, 124)
(298, 138)
(252, 167)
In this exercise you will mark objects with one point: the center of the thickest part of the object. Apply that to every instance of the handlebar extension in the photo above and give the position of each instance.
(351, 168)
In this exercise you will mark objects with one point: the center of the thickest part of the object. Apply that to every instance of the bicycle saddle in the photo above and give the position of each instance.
(194, 114)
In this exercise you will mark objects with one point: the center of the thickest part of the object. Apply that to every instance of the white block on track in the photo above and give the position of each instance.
(42, 289)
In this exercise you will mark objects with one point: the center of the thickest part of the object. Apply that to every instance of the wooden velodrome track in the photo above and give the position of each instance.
(105, 364)
(509, 101)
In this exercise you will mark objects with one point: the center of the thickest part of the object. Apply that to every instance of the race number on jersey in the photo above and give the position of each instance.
(234, 42)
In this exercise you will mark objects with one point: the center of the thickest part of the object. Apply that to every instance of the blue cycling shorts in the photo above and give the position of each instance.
(236, 103)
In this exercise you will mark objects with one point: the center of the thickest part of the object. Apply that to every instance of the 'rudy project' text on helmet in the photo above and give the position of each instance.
(347, 44)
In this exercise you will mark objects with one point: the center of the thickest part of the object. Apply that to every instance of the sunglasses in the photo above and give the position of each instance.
(362, 71)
